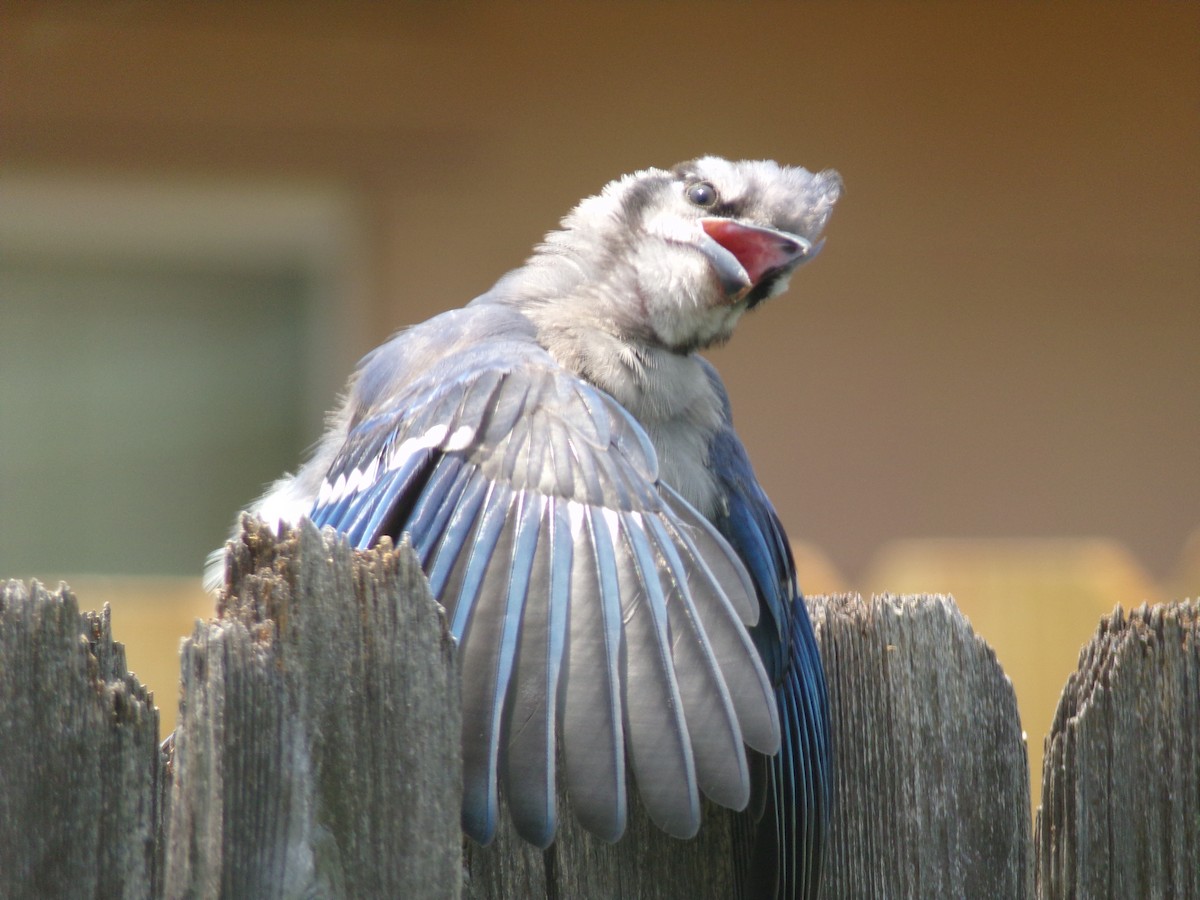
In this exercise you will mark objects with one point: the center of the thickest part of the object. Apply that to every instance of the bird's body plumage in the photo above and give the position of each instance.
(567, 469)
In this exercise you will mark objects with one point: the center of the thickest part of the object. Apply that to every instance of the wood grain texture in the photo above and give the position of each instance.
(79, 765)
(1120, 813)
(317, 751)
(931, 795)
(318, 755)
(645, 864)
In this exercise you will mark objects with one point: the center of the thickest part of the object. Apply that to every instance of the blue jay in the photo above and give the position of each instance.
(566, 467)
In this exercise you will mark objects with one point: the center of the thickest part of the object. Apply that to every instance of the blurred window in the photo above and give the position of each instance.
(154, 379)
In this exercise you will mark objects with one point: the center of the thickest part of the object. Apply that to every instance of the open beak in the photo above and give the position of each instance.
(743, 255)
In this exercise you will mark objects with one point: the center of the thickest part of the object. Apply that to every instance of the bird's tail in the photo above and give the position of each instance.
(788, 818)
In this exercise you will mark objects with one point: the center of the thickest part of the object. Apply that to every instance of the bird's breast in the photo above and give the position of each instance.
(676, 403)
(683, 463)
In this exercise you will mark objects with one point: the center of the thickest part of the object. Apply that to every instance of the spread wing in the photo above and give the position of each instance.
(786, 858)
(588, 600)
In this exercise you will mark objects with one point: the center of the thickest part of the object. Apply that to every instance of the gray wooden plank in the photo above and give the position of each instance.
(317, 750)
(1120, 813)
(931, 796)
(79, 764)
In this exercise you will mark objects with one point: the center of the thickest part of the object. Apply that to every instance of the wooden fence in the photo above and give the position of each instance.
(317, 755)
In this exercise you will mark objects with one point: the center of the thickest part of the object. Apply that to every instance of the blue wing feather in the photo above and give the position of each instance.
(715, 556)
(659, 742)
(522, 535)
(389, 501)
(492, 520)
(436, 504)
(751, 693)
(528, 758)
(450, 541)
(713, 728)
(593, 734)
(591, 603)
(476, 618)
(787, 857)
(743, 531)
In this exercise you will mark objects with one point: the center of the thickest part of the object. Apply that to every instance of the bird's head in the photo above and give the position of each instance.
(677, 256)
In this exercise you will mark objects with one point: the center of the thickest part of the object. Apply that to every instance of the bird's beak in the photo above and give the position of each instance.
(743, 255)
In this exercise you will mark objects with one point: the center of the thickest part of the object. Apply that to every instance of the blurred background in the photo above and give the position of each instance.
(987, 385)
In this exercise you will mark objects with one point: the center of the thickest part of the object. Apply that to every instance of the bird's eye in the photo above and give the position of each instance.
(702, 194)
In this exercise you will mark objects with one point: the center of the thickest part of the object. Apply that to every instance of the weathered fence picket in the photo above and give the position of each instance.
(932, 796)
(1120, 812)
(317, 755)
(317, 749)
(79, 762)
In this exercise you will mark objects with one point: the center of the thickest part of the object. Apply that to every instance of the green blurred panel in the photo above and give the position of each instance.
(140, 408)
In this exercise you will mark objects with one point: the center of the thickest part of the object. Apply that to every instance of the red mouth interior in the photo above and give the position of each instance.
(756, 249)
